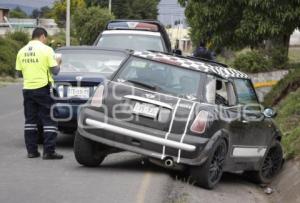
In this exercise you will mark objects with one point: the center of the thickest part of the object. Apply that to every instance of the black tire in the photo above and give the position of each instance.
(88, 152)
(70, 132)
(209, 174)
(67, 130)
(270, 166)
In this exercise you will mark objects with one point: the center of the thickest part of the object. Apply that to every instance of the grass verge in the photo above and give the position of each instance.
(290, 83)
(288, 120)
(294, 54)
(5, 80)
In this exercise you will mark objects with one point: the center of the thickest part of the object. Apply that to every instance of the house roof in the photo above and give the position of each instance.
(3, 8)
(195, 64)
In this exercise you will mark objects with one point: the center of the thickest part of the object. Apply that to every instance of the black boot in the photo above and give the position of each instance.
(54, 155)
(33, 155)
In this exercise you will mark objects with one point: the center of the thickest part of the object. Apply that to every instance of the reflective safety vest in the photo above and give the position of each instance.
(35, 60)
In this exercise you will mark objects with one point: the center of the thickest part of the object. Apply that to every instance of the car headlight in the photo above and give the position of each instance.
(60, 91)
(98, 97)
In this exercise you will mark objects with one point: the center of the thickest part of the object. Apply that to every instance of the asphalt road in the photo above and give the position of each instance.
(123, 177)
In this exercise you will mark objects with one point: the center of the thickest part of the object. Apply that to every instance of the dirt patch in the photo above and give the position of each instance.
(290, 83)
(291, 87)
(233, 188)
(287, 184)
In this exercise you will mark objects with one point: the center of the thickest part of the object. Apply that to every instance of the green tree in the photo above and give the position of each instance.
(135, 9)
(35, 13)
(9, 47)
(240, 23)
(101, 3)
(59, 40)
(89, 22)
(59, 9)
(129, 9)
(17, 13)
(44, 12)
(22, 38)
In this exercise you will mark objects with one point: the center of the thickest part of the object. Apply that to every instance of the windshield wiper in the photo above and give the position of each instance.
(153, 87)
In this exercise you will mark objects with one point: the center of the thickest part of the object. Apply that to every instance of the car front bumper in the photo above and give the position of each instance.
(66, 115)
(150, 142)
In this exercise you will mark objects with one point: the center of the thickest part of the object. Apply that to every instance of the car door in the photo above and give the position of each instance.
(249, 133)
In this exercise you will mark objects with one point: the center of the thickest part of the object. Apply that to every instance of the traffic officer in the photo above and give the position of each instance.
(36, 62)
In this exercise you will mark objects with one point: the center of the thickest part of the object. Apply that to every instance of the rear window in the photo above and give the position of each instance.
(97, 61)
(131, 41)
(161, 77)
(133, 26)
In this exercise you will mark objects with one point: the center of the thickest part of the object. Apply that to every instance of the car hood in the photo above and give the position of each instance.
(79, 77)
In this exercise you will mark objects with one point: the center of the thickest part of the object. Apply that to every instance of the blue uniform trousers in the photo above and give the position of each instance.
(37, 106)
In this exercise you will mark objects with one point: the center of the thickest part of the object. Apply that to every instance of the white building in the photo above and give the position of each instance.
(295, 38)
(26, 24)
(3, 13)
(180, 36)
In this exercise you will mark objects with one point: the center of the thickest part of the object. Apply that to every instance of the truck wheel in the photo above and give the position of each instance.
(210, 173)
(270, 166)
(88, 152)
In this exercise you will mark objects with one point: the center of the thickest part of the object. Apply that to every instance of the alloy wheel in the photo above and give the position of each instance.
(272, 163)
(217, 163)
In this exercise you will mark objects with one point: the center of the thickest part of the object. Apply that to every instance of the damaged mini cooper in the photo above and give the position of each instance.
(181, 112)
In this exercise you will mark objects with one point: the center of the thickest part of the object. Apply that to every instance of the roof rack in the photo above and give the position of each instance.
(191, 57)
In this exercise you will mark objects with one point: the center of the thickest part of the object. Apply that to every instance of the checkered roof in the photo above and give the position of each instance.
(224, 72)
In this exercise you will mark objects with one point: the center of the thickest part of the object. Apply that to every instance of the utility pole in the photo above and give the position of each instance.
(109, 5)
(68, 23)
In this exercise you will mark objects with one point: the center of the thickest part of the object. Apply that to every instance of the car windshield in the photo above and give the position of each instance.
(131, 41)
(161, 77)
(97, 61)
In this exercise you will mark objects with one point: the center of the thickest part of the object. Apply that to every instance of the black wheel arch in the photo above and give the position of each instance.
(204, 153)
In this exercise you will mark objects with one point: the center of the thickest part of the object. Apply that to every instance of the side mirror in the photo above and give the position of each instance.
(177, 52)
(269, 113)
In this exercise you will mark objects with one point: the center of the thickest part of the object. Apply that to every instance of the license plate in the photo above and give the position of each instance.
(148, 110)
(80, 92)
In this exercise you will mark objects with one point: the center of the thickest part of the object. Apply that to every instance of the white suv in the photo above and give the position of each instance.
(138, 35)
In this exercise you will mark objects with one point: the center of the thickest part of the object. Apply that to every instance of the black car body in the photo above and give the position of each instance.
(82, 69)
(181, 112)
(137, 35)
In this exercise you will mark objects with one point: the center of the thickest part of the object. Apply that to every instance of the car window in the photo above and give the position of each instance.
(245, 91)
(162, 77)
(132, 42)
(221, 93)
(98, 61)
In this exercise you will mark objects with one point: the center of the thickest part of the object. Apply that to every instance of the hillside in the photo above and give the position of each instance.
(27, 9)
(289, 84)
(26, 5)
(285, 97)
(288, 120)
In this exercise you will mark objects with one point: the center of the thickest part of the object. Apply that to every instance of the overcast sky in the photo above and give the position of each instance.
(169, 10)
(31, 3)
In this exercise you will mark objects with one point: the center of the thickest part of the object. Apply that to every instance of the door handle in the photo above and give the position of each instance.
(244, 121)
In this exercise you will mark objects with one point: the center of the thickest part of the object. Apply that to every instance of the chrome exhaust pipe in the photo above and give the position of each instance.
(169, 162)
